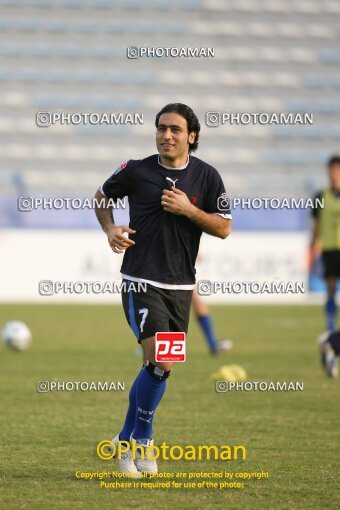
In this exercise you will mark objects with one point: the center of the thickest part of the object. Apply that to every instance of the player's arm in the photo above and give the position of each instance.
(315, 237)
(177, 202)
(315, 231)
(115, 235)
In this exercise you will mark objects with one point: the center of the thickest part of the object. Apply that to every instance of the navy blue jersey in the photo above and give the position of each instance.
(166, 244)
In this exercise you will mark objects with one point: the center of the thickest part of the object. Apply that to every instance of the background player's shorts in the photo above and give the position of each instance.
(156, 310)
(331, 263)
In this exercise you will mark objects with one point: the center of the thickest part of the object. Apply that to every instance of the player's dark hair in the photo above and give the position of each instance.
(334, 160)
(186, 112)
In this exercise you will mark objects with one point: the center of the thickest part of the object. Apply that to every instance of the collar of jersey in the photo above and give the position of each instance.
(171, 168)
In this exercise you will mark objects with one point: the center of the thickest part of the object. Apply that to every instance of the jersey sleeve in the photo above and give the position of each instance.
(121, 182)
(315, 211)
(217, 200)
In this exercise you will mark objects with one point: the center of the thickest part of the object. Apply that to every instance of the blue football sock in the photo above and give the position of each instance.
(149, 393)
(331, 313)
(208, 330)
(130, 415)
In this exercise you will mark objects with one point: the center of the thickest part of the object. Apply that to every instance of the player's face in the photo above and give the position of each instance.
(172, 137)
(334, 175)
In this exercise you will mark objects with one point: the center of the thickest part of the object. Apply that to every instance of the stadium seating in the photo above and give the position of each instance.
(71, 55)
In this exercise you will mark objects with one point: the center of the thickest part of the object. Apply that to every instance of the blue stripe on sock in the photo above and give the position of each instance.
(133, 322)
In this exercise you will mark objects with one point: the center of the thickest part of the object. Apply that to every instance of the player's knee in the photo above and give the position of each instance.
(165, 365)
(158, 371)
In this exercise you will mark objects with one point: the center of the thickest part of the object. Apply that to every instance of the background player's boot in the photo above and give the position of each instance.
(223, 346)
(328, 356)
(145, 465)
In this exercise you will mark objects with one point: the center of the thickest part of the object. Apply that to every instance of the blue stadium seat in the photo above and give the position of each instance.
(41, 100)
(330, 56)
(144, 27)
(101, 4)
(112, 77)
(12, 3)
(293, 132)
(28, 74)
(69, 52)
(131, 4)
(86, 26)
(100, 52)
(141, 78)
(174, 27)
(58, 26)
(314, 132)
(130, 102)
(41, 51)
(72, 101)
(42, 3)
(57, 75)
(189, 5)
(296, 157)
(335, 132)
(102, 129)
(4, 75)
(327, 106)
(115, 27)
(12, 50)
(283, 132)
(100, 102)
(74, 4)
(315, 81)
(27, 25)
(5, 24)
(85, 76)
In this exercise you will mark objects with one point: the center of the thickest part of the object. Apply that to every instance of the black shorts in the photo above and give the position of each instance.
(331, 263)
(156, 310)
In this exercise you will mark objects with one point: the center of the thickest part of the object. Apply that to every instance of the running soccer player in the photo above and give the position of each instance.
(173, 198)
(326, 232)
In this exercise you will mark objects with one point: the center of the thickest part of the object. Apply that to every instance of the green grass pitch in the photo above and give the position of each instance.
(46, 438)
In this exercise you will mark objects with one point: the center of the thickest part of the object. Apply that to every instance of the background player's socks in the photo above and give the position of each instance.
(331, 313)
(148, 395)
(130, 415)
(205, 323)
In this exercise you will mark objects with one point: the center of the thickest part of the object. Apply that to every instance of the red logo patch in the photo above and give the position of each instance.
(170, 347)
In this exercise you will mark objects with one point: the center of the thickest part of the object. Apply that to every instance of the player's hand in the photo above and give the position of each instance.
(176, 202)
(118, 241)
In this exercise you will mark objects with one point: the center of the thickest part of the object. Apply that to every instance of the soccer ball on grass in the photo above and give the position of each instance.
(16, 335)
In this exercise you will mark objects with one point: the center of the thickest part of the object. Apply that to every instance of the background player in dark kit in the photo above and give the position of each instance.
(326, 233)
(173, 198)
